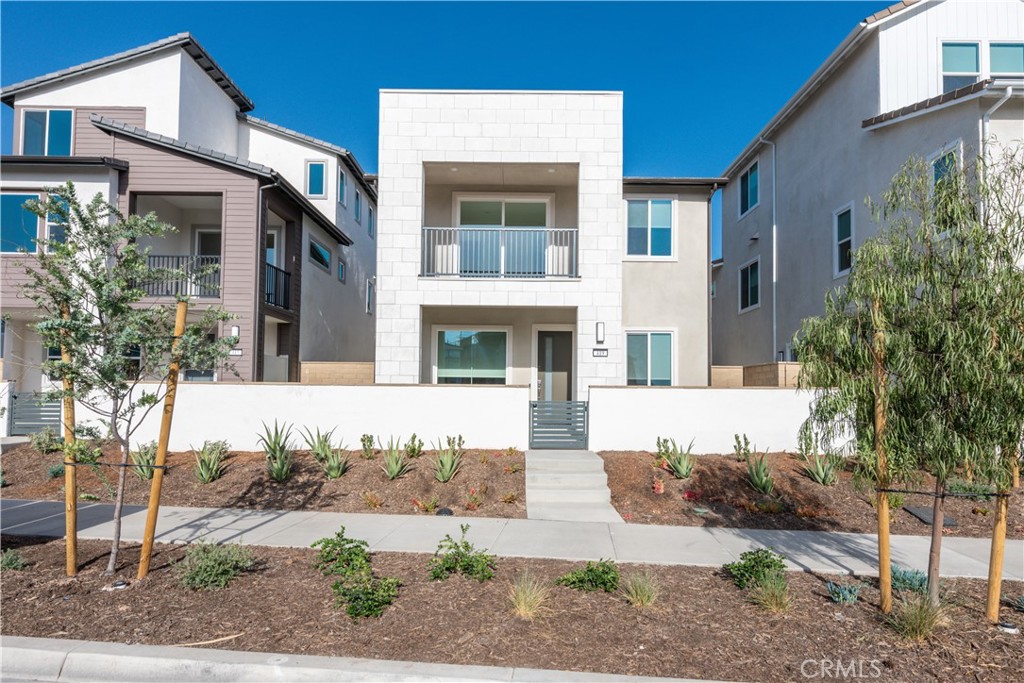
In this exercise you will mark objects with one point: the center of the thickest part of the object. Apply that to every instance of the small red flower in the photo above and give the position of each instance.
(658, 486)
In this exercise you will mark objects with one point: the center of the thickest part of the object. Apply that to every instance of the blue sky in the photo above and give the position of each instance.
(700, 79)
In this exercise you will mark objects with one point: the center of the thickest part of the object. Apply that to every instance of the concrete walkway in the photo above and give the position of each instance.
(815, 551)
(568, 486)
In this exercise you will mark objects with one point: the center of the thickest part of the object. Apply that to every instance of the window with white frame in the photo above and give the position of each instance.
(649, 359)
(342, 186)
(960, 65)
(842, 230)
(316, 179)
(46, 132)
(750, 285)
(371, 222)
(371, 291)
(649, 227)
(471, 356)
(1006, 59)
(944, 163)
(320, 255)
(51, 354)
(56, 224)
(19, 227)
(749, 192)
(133, 361)
(358, 208)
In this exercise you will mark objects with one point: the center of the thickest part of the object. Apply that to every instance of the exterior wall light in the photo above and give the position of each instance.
(599, 333)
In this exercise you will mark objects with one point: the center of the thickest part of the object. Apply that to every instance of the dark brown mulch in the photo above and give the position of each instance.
(720, 495)
(245, 483)
(701, 626)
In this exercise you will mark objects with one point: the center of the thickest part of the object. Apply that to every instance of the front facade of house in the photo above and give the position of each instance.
(942, 80)
(162, 129)
(512, 250)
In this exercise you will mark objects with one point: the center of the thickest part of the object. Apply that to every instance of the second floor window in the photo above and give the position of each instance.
(749, 191)
(358, 209)
(371, 222)
(19, 227)
(316, 179)
(342, 187)
(649, 228)
(959, 65)
(46, 132)
(371, 291)
(341, 270)
(843, 255)
(750, 285)
(1006, 59)
(320, 255)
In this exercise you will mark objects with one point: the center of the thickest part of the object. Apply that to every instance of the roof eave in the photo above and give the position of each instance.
(32, 160)
(678, 182)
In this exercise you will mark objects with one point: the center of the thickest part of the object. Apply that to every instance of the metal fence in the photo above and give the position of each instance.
(200, 276)
(521, 253)
(277, 290)
(559, 425)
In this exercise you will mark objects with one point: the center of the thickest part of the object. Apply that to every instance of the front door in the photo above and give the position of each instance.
(554, 365)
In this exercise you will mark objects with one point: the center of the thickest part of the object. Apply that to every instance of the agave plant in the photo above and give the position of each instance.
(760, 474)
(395, 464)
(679, 462)
(210, 461)
(822, 469)
(319, 443)
(143, 460)
(447, 465)
(277, 446)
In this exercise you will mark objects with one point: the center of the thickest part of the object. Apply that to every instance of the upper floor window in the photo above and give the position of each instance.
(342, 187)
(19, 227)
(320, 255)
(842, 255)
(1006, 59)
(358, 208)
(316, 179)
(371, 222)
(342, 270)
(750, 285)
(649, 228)
(749, 193)
(371, 291)
(960, 65)
(649, 359)
(46, 132)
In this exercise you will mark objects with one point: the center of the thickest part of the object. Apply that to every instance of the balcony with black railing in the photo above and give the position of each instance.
(277, 289)
(192, 276)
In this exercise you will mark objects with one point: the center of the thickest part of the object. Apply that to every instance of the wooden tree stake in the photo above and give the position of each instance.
(70, 473)
(882, 474)
(161, 451)
(995, 561)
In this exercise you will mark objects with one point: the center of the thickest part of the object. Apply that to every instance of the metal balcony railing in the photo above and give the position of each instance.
(277, 290)
(201, 276)
(521, 253)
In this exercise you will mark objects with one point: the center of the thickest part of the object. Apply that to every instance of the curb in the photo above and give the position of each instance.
(79, 661)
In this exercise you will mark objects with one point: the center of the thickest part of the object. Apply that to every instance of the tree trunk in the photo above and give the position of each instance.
(115, 543)
(938, 518)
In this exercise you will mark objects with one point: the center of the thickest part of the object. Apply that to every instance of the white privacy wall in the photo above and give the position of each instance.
(632, 418)
(486, 417)
(510, 127)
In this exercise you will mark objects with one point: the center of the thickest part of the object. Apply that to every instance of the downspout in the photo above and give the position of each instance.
(987, 117)
(711, 277)
(775, 255)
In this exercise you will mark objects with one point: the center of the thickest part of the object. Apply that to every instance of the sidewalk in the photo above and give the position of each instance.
(814, 551)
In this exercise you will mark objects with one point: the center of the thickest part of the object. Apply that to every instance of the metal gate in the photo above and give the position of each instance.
(31, 414)
(558, 424)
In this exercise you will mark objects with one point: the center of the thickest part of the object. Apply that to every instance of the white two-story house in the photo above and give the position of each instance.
(942, 80)
(511, 250)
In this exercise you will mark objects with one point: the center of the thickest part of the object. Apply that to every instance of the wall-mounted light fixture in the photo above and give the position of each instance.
(599, 333)
(234, 331)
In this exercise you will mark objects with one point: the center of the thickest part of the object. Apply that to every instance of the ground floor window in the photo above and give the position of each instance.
(649, 359)
(466, 356)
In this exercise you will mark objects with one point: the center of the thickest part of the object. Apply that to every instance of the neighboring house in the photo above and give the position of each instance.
(162, 128)
(939, 79)
(512, 250)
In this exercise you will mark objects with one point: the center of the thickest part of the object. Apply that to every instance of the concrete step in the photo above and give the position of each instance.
(572, 480)
(566, 495)
(562, 456)
(566, 467)
(574, 512)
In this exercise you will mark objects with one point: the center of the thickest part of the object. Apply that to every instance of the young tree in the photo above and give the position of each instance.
(88, 285)
(942, 285)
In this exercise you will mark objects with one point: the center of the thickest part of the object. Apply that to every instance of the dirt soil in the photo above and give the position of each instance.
(701, 626)
(719, 494)
(245, 483)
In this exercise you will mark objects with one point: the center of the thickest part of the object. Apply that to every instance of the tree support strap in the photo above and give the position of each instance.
(947, 494)
(116, 464)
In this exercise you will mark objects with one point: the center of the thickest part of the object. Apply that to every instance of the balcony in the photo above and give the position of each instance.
(277, 288)
(500, 252)
(199, 276)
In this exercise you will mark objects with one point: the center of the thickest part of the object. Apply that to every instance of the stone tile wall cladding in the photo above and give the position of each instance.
(771, 375)
(336, 373)
(419, 127)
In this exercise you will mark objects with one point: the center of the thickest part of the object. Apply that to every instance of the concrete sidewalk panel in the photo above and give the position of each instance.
(555, 540)
(667, 545)
(422, 534)
(32, 659)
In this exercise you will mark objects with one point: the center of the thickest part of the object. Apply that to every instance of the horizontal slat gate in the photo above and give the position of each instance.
(30, 414)
(558, 424)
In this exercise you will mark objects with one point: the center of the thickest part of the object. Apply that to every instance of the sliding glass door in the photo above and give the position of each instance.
(502, 236)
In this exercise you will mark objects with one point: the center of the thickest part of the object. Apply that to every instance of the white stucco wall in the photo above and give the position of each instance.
(206, 113)
(513, 127)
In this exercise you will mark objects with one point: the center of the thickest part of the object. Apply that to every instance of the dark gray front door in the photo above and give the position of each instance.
(554, 365)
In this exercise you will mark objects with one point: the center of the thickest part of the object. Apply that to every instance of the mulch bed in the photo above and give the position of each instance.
(718, 494)
(245, 483)
(702, 626)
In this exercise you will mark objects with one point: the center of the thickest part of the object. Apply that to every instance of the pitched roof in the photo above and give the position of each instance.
(349, 158)
(185, 41)
(34, 160)
(938, 102)
(223, 159)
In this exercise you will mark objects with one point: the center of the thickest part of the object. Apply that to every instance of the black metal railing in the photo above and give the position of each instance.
(197, 276)
(520, 253)
(277, 290)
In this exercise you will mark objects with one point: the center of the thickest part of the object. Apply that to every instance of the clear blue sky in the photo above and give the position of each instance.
(700, 79)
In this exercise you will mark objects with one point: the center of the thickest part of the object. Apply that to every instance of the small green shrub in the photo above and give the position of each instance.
(143, 460)
(972, 490)
(46, 441)
(395, 463)
(754, 566)
(55, 471)
(12, 559)
(528, 595)
(278, 449)
(760, 474)
(741, 447)
(916, 618)
(843, 594)
(341, 556)
(210, 461)
(460, 557)
(455, 443)
(601, 575)
(772, 593)
(675, 460)
(208, 566)
(3, 479)
(822, 469)
(413, 447)
(447, 464)
(1017, 604)
(366, 442)
(640, 589)
(366, 595)
(911, 580)
(807, 441)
